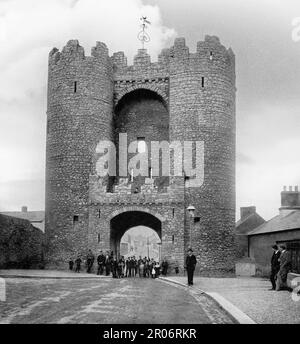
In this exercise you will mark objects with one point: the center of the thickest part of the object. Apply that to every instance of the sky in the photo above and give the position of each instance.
(260, 32)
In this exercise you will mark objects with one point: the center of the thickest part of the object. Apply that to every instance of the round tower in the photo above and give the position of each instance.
(202, 108)
(79, 114)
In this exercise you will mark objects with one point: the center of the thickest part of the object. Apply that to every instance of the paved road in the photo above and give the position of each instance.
(103, 301)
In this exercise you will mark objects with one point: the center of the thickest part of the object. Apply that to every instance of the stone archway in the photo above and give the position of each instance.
(145, 87)
(123, 221)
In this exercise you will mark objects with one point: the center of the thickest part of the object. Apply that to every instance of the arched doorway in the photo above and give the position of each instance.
(143, 115)
(121, 223)
(142, 242)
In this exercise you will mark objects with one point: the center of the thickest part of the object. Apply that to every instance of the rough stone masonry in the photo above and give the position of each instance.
(183, 96)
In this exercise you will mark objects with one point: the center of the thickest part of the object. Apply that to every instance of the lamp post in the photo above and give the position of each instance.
(191, 210)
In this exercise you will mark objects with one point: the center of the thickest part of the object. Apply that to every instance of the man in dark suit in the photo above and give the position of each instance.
(107, 264)
(285, 266)
(190, 264)
(101, 261)
(275, 265)
(90, 261)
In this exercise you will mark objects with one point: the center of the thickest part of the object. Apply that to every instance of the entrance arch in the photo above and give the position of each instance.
(142, 242)
(122, 222)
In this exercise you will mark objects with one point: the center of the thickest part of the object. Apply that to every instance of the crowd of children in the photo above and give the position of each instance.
(108, 264)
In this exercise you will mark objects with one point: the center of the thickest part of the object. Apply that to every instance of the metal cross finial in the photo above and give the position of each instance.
(143, 36)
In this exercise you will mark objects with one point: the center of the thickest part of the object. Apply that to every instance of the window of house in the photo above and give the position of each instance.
(75, 219)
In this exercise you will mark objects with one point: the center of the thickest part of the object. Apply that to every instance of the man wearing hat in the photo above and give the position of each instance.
(275, 265)
(190, 264)
(285, 266)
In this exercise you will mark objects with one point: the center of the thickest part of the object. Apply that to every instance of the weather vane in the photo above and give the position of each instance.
(143, 36)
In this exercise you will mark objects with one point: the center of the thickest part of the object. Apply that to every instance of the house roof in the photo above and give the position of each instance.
(245, 219)
(281, 222)
(32, 216)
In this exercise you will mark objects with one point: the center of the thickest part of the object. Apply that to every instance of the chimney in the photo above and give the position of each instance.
(290, 200)
(24, 209)
(246, 211)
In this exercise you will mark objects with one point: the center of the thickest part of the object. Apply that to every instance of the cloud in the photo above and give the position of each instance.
(29, 29)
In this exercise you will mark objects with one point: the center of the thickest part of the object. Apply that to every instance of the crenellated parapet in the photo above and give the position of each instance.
(124, 193)
(210, 57)
(208, 51)
(73, 51)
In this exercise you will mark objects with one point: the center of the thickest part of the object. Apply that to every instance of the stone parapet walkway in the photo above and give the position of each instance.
(251, 296)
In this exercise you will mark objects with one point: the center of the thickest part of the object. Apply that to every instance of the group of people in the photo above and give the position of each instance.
(108, 264)
(281, 264)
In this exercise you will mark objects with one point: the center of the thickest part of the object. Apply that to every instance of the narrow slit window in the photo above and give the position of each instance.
(98, 237)
(99, 213)
(173, 239)
(173, 212)
(211, 55)
(75, 219)
(75, 86)
(202, 81)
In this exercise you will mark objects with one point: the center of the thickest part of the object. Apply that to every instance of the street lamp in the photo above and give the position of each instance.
(191, 210)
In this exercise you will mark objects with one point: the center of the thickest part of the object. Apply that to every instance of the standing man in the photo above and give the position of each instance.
(275, 266)
(107, 264)
(78, 264)
(90, 261)
(101, 261)
(190, 263)
(285, 266)
(164, 266)
(71, 264)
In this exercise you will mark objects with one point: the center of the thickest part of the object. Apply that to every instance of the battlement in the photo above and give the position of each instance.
(123, 192)
(210, 52)
(74, 51)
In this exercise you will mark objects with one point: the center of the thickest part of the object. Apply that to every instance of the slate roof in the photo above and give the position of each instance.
(279, 223)
(241, 221)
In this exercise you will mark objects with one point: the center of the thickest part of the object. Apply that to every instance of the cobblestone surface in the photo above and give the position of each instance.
(253, 297)
(104, 300)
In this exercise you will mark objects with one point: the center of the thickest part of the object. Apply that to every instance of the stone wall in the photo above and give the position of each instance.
(21, 244)
(79, 114)
(162, 211)
(260, 248)
(86, 92)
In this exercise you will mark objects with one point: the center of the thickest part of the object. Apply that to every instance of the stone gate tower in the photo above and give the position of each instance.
(182, 97)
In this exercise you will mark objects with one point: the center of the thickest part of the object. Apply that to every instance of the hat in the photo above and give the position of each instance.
(275, 247)
(190, 250)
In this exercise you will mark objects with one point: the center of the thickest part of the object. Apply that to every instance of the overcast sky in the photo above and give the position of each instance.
(267, 68)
